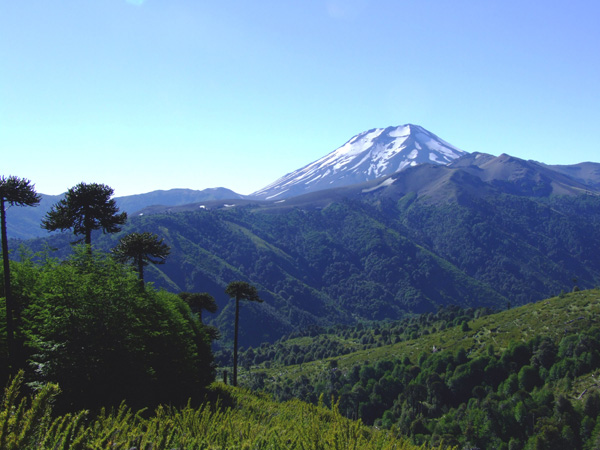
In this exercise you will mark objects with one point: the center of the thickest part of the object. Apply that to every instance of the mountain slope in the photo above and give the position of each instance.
(469, 177)
(367, 156)
(478, 381)
(374, 259)
(586, 172)
(553, 317)
(477, 232)
(523, 177)
(25, 222)
(398, 243)
(174, 197)
(339, 264)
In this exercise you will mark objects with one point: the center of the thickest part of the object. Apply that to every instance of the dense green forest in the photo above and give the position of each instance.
(314, 343)
(85, 323)
(371, 259)
(91, 337)
(521, 379)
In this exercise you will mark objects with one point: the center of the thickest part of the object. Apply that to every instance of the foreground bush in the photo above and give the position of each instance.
(247, 422)
(87, 325)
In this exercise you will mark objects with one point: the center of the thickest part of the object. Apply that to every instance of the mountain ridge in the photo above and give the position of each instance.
(474, 175)
(379, 150)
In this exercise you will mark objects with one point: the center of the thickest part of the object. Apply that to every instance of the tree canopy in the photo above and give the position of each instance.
(86, 207)
(93, 331)
(199, 301)
(142, 249)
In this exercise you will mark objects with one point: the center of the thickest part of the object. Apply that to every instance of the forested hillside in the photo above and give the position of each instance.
(526, 378)
(482, 231)
(85, 336)
(374, 258)
(316, 343)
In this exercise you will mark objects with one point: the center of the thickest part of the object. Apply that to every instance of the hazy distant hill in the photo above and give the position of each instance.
(586, 172)
(173, 197)
(24, 223)
(472, 176)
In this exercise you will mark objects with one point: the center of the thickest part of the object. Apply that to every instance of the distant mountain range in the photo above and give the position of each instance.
(474, 175)
(24, 223)
(478, 230)
(371, 157)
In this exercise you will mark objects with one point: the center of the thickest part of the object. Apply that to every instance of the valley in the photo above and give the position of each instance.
(462, 377)
(450, 300)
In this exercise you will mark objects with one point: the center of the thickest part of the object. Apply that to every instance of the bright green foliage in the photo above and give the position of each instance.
(247, 422)
(22, 424)
(91, 329)
(86, 207)
(315, 343)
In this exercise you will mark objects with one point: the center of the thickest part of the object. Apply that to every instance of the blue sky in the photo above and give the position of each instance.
(159, 94)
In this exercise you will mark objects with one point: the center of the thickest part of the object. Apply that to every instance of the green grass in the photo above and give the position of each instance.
(237, 419)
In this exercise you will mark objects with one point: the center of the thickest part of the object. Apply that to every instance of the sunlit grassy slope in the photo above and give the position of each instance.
(553, 317)
(237, 419)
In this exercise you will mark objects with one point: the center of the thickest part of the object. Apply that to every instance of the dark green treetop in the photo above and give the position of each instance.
(199, 301)
(142, 249)
(86, 207)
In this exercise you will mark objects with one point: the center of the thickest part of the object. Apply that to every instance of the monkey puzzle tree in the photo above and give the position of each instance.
(14, 191)
(86, 207)
(240, 290)
(141, 249)
(199, 301)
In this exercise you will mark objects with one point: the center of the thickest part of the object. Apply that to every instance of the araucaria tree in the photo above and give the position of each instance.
(240, 290)
(14, 191)
(85, 208)
(142, 249)
(199, 301)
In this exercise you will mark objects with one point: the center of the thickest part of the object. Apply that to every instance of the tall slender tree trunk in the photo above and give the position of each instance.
(140, 270)
(235, 340)
(88, 240)
(88, 231)
(7, 291)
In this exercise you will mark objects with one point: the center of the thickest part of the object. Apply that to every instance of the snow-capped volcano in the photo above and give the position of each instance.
(368, 155)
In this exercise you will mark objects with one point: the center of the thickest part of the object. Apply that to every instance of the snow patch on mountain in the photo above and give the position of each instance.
(366, 156)
(384, 183)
